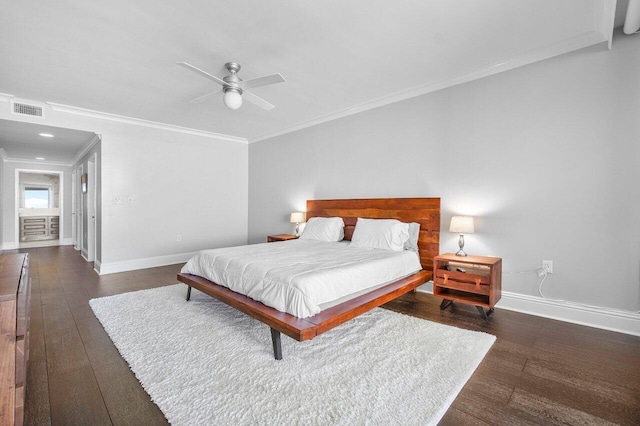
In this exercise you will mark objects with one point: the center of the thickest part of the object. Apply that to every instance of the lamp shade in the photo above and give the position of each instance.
(297, 217)
(461, 225)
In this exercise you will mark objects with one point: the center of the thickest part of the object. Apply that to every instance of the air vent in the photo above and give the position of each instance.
(28, 109)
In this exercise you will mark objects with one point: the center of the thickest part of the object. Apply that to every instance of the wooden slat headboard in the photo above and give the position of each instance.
(425, 211)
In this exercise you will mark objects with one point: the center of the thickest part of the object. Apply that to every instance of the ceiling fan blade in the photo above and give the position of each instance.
(257, 101)
(262, 81)
(202, 73)
(206, 95)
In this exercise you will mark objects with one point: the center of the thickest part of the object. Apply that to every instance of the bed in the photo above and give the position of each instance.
(425, 211)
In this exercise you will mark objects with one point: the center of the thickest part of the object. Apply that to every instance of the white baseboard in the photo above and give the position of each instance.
(35, 244)
(150, 262)
(96, 266)
(604, 318)
(9, 246)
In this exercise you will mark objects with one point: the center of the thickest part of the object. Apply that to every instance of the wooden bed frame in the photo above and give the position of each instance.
(425, 211)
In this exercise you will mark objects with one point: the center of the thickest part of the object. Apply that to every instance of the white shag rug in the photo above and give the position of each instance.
(204, 363)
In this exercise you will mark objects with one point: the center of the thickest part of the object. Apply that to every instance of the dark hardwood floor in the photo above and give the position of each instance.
(539, 371)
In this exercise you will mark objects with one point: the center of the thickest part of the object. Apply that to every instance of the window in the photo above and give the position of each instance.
(37, 198)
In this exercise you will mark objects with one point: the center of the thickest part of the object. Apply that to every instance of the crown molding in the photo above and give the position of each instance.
(39, 162)
(141, 122)
(5, 97)
(569, 45)
(86, 148)
(7, 159)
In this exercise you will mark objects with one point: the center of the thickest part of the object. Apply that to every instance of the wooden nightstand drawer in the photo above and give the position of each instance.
(472, 283)
(465, 277)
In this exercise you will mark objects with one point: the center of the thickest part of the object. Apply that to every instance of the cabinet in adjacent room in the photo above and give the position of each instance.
(37, 228)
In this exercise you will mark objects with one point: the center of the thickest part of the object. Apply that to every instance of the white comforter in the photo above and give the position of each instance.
(300, 275)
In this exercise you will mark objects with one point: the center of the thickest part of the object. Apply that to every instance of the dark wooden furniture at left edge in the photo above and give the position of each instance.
(15, 301)
(425, 211)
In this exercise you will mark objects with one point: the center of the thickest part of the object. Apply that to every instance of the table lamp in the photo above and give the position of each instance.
(462, 225)
(297, 218)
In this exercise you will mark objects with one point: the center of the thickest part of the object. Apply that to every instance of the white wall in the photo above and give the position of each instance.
(546, 157)
(179, 183)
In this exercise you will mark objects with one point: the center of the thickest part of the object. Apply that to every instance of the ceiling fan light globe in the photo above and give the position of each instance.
(232, 99)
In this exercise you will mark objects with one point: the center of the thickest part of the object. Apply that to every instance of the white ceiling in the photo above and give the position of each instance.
(338, 57)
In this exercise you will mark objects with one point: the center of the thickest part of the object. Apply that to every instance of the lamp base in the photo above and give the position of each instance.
(461, 245)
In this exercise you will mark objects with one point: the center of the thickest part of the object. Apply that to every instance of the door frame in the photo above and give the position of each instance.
(80, 211)
(74, 202)
(91, 208)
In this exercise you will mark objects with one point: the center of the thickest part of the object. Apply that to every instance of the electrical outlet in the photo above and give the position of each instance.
(548, 265)
(178, 237)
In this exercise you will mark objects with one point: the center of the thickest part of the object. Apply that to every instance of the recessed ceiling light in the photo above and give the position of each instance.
(39, 158)
(46, 135)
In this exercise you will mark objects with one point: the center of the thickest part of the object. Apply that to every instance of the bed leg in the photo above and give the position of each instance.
(188, 293)
(277, 344)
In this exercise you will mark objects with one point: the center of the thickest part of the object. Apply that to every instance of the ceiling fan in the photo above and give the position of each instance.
(235, 88)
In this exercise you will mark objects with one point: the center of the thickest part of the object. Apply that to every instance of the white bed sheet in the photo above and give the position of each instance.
(298, 276)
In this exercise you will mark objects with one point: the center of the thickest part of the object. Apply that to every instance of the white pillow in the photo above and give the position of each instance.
(323, 229)
(414, 234)
(385, 234)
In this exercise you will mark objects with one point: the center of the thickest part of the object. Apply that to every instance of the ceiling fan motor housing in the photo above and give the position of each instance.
(232, 80)
(233, 67)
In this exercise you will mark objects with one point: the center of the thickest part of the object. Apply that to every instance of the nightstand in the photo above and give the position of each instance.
(280, 237)
(476, 280)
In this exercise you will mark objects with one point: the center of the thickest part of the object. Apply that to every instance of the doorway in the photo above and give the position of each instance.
(39, 207)
(56, 150)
